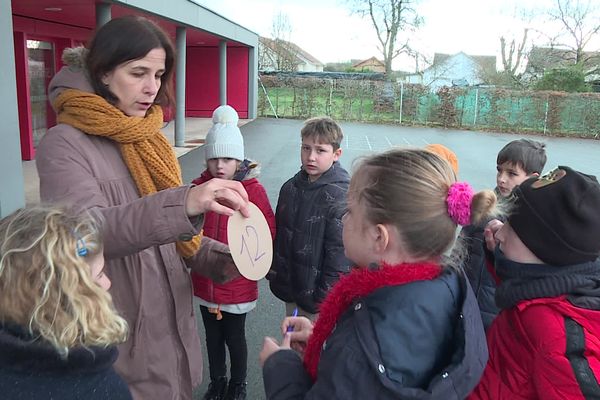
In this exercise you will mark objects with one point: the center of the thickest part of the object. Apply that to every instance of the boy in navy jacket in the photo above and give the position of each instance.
(308, 251)
(515, 163)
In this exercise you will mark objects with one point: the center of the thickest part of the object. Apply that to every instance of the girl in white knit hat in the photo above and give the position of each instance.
(224, 307)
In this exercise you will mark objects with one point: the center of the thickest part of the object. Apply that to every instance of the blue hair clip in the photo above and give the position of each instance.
(81, 249)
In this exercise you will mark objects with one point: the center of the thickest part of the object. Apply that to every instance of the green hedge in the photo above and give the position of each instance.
(545, 112)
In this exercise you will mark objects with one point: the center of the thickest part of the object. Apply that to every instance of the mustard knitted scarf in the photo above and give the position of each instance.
(146, 151)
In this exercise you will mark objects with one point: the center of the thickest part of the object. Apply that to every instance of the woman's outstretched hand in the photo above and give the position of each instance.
(218, 195)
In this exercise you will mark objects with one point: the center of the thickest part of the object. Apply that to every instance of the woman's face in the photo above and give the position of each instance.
(135, 83)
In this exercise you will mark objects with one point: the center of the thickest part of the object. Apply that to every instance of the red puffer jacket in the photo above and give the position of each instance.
(240, 290)
(545, 348)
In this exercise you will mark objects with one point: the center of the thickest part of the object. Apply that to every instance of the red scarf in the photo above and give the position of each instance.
(358, 283)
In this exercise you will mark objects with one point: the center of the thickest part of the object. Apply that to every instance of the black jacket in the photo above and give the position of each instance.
(422, 340)
(308, 251)
(31, 369)
(477, 263)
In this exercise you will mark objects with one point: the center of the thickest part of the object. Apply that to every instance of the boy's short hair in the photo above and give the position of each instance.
(323, 129)
(528, 154)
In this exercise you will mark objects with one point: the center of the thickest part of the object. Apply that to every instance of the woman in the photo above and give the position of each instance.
(107, 154)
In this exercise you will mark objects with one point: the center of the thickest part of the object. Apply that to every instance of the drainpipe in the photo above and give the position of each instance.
(222, 72)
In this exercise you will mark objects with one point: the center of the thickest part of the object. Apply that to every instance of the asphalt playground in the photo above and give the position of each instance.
(275, 144)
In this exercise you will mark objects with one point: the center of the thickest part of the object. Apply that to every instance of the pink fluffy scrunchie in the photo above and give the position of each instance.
(459, 200)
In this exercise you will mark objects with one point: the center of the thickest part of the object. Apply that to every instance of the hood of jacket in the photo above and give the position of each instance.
(72, 76)
(461, 354)
(22, 352)
(249, 169)
(334, 175)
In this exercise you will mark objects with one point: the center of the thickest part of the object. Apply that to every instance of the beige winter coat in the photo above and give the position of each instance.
(151, 285)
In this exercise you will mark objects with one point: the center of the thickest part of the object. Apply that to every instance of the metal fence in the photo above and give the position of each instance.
(549, 113)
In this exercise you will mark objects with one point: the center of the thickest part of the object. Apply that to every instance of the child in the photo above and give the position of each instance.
(403, 324)
(58, 325)
(545, 343)
(224, 307)
(308, 252)
(445, 153)
(516, 162)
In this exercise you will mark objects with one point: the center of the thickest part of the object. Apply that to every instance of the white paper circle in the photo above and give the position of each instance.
(250, 243)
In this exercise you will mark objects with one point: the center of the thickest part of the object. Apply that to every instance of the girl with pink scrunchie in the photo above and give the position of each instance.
(405, 322)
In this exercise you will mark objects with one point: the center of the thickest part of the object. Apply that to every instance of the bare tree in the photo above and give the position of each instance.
(394, 21)
(281, 27)
(516, 42)
(284, 52)
(580, 20)
(264, 59)
(513, 55)
(421, 61)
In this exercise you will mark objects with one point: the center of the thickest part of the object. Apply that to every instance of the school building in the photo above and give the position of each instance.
(217, 63)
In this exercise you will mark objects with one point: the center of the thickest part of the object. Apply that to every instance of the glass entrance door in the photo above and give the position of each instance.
(40, 55)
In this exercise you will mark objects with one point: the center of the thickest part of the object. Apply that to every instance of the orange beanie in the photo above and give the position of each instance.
(444, 153)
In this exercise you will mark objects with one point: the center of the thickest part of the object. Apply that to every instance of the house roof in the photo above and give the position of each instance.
(369, 61)
(543, 58)
(487, 63)
(299, 54)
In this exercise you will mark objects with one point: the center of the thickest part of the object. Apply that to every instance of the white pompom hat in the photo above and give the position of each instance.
(224, 139)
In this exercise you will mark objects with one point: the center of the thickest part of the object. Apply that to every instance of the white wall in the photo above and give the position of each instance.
(415, 78)
(459, 66)
(308, 67)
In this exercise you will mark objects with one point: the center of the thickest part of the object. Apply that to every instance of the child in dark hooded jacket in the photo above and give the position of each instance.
(404, 324)
(516, 162)
(545, 343)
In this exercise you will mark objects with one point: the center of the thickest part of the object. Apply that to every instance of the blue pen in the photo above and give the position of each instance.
(294, 314)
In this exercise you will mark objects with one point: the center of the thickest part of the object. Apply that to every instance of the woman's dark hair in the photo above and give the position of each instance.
(125, 39)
